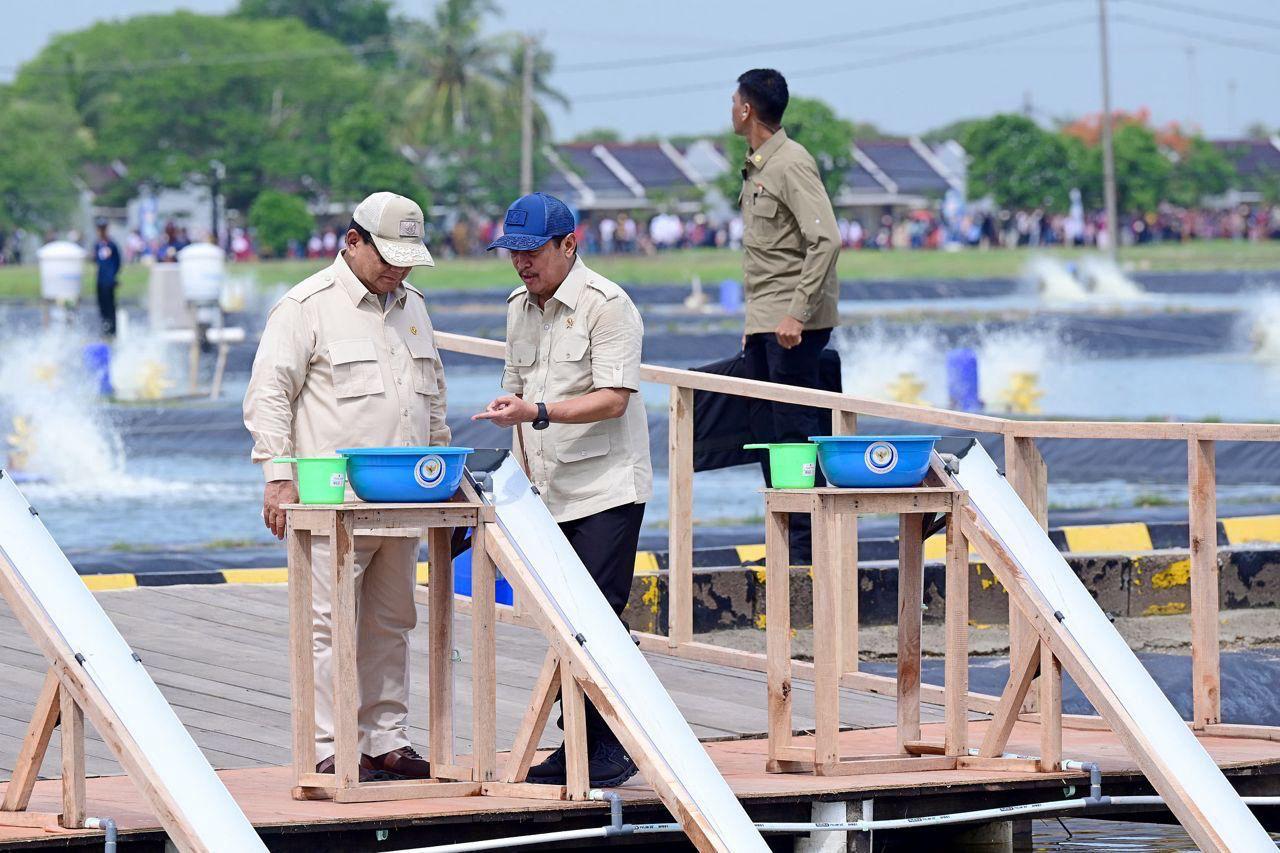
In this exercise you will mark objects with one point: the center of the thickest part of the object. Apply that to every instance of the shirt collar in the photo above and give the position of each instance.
(571, 288)
(760, 156)
(355, 287)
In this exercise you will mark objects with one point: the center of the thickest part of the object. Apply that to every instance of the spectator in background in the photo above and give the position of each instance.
(329, 242)
(627, 226)
(608, 227)
(174, 241)
(106, 255)
(314, 245)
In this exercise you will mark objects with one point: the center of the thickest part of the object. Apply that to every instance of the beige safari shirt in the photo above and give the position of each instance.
(790, 241)
(335, 368)
(586, 337)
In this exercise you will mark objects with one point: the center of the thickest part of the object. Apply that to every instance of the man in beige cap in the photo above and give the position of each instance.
(348, 359)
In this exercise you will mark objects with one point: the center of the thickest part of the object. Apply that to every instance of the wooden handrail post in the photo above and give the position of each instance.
(1026, 472)
(680, 517)
(1206, 677)
(846, 423)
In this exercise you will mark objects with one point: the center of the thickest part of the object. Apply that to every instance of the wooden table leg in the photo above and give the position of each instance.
(440, 645)
(484, 684)
(956, 739)
(910, 598)
(72, 725)
(827, 634)
(346, 687)
(576, 748)
(302, 659)
(777, 627)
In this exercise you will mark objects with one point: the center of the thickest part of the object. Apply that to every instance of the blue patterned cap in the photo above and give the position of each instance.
(532, 220)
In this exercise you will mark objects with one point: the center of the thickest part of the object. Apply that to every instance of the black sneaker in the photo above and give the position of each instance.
(551, 771)
(610, 765)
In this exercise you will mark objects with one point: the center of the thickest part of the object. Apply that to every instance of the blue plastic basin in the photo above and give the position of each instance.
(405, 474)
(874, 461)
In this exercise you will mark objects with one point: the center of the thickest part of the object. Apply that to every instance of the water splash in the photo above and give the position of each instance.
(43, 386)
(1107, 281)
(1095, 278)
(872, 360)
(1053, 280)
(1005, 354)
(1263, 327)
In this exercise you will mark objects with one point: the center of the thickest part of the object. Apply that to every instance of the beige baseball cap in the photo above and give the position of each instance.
(396, 224)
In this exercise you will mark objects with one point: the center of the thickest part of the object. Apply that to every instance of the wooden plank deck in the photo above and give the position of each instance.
(220, 656)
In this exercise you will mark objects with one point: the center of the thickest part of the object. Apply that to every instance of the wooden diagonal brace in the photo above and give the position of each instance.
(34, 745)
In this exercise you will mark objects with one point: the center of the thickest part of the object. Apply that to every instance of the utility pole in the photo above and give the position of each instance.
(526, 119)
(1108, 155)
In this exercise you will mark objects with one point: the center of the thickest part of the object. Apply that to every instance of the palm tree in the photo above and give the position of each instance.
(455, 75)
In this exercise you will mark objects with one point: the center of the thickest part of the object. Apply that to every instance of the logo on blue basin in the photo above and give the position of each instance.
(881, 457)
(429, 472)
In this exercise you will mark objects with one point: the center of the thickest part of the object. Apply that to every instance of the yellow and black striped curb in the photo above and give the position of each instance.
(1128, 538)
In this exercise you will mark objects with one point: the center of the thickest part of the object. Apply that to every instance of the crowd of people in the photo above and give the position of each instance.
(610, 233)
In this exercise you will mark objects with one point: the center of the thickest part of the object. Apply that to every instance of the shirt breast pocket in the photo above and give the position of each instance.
(571, 366)
(426, 366)
(356, 372)
(768, 221)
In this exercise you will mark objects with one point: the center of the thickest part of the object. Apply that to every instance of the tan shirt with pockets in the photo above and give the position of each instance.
(336, 368)
(586, 337)
(790, 241)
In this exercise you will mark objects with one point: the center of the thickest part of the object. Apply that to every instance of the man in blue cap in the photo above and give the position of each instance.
(572, 377)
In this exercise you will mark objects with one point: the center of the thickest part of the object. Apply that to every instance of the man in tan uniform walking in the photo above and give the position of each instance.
(573, 377)
(348, 359)
(790, 244)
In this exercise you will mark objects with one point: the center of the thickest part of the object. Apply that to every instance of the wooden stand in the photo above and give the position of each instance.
(833, 512)
(55, 708)
(476, 774)
(341, 523)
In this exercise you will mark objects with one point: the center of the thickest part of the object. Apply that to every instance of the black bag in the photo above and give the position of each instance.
(723, 423)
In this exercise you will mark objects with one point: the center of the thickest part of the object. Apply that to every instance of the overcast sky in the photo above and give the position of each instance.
(1213, 63)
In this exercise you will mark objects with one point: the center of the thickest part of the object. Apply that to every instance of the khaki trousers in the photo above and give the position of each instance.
(385, 570)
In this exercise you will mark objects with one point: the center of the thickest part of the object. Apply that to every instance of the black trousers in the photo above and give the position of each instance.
(606, 542)
(107, 308)
(796, 366)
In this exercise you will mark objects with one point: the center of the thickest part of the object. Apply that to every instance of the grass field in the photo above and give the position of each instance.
(712, 265)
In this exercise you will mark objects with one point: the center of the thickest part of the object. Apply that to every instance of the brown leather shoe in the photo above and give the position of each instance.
(368, 773)
(404, 762)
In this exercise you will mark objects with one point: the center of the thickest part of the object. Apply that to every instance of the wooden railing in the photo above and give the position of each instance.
(1024, 468)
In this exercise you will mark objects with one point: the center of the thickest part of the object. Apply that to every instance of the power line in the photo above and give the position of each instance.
(919, 53)
(1217, 13)
(1228, 41)
(821, 41)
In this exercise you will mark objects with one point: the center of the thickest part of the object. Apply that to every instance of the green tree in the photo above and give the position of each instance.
(167, 94)
(362, 159)
(814, 125)
(278, 218)
(358, 23)
(1202, 170)
(1018, 163)
(951, 130)
(39, 144)
(452, 69)
(604, 134)
(1142, 169)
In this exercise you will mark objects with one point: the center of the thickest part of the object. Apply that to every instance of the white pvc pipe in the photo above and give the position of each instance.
(854, 826)
(515, 841)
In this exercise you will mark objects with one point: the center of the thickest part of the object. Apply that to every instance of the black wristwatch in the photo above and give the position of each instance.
(542, 421)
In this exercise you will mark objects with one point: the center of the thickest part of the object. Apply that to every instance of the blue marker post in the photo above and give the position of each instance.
(962, 380)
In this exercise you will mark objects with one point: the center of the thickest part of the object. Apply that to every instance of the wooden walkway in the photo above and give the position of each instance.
(220, 656)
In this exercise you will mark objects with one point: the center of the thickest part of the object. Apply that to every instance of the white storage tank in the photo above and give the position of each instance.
(61, 270)
(203, 268)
